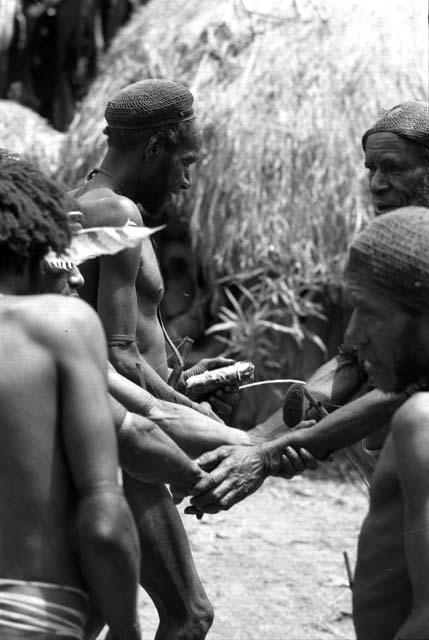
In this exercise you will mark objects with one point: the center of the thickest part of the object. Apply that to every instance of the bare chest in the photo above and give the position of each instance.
(149, 282)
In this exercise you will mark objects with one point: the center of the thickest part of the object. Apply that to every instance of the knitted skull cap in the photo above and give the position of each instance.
(392, 256)
(410, 120)
(149, 103)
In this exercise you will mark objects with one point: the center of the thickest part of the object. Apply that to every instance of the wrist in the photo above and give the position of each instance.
(266, 460)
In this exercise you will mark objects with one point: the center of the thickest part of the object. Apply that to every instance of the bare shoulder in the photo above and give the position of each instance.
(62, 323)
(412, 412)
(410, 434)
(103, 207)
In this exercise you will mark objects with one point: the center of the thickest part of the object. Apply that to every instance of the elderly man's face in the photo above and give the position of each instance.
(398, 172)
(387, 338)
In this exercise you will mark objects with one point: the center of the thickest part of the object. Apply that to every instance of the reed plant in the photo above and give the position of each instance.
(284, 91)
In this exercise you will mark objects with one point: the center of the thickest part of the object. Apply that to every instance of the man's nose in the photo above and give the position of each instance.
(186, 181)
(76, 279)
(378, 182)
(76, 221)
(355, 334)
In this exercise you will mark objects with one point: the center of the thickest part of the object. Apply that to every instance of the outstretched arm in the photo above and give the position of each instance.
(411, 445)
(192, 431)
(343, 427)
(147, 454)
(106, 539)
(333, 384)
(236, 472)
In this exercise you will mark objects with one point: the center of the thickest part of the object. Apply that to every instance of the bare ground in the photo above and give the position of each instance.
(273, 566)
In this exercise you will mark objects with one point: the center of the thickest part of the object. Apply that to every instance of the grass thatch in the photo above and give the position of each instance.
(284, 99)
(27, 134)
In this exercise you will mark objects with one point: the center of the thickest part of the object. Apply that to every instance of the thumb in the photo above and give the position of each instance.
(210, 459)
(217, 363)
(305, 424)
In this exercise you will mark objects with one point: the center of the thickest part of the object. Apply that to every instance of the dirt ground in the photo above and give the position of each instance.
(273, 566)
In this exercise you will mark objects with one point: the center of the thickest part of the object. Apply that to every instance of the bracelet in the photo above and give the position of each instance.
(119, 339)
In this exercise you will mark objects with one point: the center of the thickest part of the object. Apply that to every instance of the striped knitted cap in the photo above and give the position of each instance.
(392, 256)
(149, 103)
(409, 120)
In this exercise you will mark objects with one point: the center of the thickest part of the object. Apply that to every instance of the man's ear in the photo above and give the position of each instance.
(153, 148)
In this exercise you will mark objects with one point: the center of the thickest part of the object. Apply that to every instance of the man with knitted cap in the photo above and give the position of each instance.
(153, 139)
(387, 281)
(396, 151)
(397, 158)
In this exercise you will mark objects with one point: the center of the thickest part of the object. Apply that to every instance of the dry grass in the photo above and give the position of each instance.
(27, 134)
(284, 99)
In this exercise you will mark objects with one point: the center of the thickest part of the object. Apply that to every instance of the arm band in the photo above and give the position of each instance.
(119, 339)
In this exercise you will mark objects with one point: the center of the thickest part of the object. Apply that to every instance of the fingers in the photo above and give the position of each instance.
(206, 409)
(229, 394)
(295, 462)
(305, 424)
(210, 459)
(216, 363)
(221, 408)
(194, 511)
(308, 459)
(213, 497)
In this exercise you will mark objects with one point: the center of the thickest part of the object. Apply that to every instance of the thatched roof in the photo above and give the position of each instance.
(27, 134)
(284, 99)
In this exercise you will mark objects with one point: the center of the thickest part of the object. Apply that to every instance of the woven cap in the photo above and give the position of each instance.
(392, 256)
(409, 120)
(149, 103)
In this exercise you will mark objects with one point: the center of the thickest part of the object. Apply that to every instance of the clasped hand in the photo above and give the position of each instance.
(235, 472)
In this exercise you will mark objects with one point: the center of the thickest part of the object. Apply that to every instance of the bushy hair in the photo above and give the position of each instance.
(170, 136)
(33, 216)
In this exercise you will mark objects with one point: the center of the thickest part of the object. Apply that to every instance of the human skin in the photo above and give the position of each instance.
(397, 170)
(54, 356)
(236, 471)
(390, 592)
(193, 432)
(147, 455)
(396, 173)
(126, 291)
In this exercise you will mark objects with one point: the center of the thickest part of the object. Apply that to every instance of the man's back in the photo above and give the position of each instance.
(36, 493)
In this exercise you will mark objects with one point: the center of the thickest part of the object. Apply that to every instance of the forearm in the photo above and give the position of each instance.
(194, 432)
(334, 383)
(128, 362)
(109, 554)
(149, 455)
(191, 430)
(343, 427)
(133, 396)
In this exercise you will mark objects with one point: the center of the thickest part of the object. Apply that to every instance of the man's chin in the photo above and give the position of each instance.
(381, 378)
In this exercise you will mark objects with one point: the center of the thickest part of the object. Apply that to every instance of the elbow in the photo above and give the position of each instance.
(107, 530)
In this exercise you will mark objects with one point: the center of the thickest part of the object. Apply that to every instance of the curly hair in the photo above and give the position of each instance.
(33, 216)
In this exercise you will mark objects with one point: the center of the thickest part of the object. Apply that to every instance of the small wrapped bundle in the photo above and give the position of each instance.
(210, 381)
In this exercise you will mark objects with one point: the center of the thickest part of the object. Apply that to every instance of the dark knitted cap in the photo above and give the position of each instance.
(149, 103)
(409, 120)
(392, 256)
